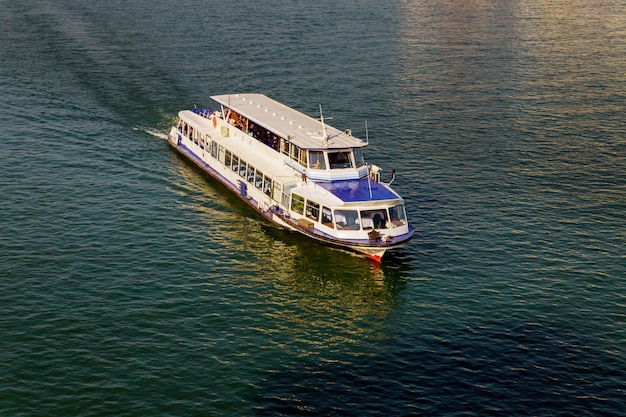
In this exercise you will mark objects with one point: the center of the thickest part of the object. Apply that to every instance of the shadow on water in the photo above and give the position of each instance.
(500, 369)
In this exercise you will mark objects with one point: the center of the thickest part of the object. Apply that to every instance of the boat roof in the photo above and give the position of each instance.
(300, 129)
(354, 191)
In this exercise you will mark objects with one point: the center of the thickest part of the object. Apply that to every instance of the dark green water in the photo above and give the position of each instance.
(133, 285)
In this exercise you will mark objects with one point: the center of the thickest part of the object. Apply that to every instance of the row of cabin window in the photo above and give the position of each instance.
(312, 159)
(193, 135)
(316, 160)
(349, 219)
(238, 165)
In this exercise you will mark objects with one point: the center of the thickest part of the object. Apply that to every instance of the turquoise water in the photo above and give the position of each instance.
(133, 284)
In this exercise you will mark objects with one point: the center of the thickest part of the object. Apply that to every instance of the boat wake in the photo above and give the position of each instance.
(152, 132)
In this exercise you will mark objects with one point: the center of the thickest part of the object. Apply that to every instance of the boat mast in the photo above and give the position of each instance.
(324, 135)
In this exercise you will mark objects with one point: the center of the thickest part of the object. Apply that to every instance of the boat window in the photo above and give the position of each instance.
(285, 147)
(303, 158)
(267, 186)
(185, 128)
(258, 180)
(235, 165)
(294, 152)
(179, 124)
(397, 215)
(358, 157)
(312, 210)
(339, 160)
(316, 160)
(228, 158)
(220, 156)
(297, 203)
(347, 219)
(214, 149)
(374, 219)
(250, 176)
(287, 194)
(327, 217)
(243, 167)
(277, 191)
(202, 139)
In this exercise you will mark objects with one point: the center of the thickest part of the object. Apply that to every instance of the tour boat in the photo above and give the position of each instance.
(296, 171)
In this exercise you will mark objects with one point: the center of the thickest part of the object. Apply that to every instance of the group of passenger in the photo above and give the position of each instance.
(258, 132)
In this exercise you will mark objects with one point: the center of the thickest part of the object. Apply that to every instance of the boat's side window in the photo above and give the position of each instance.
(243, 167)
(221, 154)
(228, 159)
(397, 215)
(202, 139)
(214, 149)
(316, 160)
(179, 124)
(235, 165)
(297, 203)
(347, 219)
(284, 147)
(303, 158)
(286, 195)
(185, 130)
(258, 179)
(327, 217)
(294, 152)
(267, 186)
(374, 219)
(250, 176)
(277, 191)
(312, 210)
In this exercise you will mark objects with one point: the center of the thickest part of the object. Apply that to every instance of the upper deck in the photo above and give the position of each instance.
(300, 129)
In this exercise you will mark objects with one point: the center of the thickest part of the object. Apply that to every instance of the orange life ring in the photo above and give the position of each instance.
(214, 121)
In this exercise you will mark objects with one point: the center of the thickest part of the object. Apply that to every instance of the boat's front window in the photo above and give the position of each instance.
(347, 219)
(341, 159)
(374, 219)
(397, 215)
(358, 157)
(316, 160)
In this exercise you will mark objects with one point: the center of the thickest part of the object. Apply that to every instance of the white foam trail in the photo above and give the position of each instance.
(152, 132)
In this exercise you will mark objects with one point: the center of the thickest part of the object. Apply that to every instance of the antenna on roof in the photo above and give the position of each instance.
(324, 135)
(367, 136)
